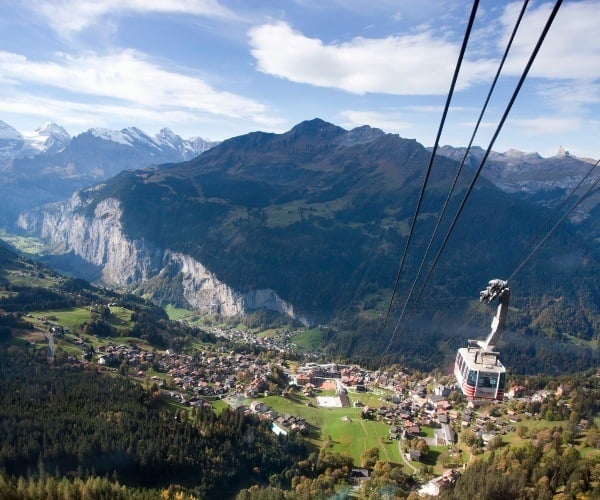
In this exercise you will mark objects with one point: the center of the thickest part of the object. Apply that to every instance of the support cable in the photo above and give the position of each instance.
(555, 212)
(429, 167)
(523, 261)
(462, 163)
(487, 153)
(558, 223)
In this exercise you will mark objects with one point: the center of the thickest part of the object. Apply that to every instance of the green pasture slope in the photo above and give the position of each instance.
(342, 429)
(309, 340)
(73, 317)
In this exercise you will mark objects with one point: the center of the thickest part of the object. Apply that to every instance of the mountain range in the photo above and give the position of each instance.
(543, 180)
(49, 165)
(48, 138)
(311, 223)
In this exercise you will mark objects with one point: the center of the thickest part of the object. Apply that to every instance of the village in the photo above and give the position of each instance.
(424, 423)
(421, 413)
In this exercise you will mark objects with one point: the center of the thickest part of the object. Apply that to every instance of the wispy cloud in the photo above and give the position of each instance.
(71, 16)
(84, 114)
(412, 64)
(544, 125)
(126, 79)
(571, 49)
(570, 97)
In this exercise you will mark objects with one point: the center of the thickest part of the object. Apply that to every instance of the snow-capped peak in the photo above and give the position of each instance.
(12, 143)
(199, 145)
(166, 137)
(187, 148)
(110, 135)
(48, 138)
(514, 153)
(51, 128)
(130, 136)
(9, 133)
(139, 136)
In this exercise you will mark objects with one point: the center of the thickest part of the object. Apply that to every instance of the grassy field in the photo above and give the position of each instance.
(270, 333)
(28, 245)
(71, 318)
(219, 405)
(120, 318)
(177, 313)
(19, 278)
(310, 339)
(513, 439)
(193, 318)
(289, 213)
(343, 428)
(432, 459)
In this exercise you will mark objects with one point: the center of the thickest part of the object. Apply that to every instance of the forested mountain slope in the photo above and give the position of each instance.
(318, 217)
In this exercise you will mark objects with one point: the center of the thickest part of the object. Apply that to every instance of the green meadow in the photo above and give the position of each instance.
(71, 318)
(342, 429)
(309, 339)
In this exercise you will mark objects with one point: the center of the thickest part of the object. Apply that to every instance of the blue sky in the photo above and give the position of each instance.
(217, 69)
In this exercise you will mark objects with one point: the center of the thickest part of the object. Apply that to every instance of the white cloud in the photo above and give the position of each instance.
(84, 115)
(71, 16)
(127, 79)
(413, 64)
(26, 111)
(571, 96)
(571, 49)
(547, 125)
(389, 122)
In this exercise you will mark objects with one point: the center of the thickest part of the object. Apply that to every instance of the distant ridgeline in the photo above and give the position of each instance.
(312, 224)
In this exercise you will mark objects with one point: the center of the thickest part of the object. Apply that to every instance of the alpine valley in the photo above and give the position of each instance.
(311, 224)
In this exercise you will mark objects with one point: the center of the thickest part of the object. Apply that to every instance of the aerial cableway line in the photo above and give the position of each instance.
(461, 165)
(429, 168)
(476, 175)
(486, 155)
(548, 228)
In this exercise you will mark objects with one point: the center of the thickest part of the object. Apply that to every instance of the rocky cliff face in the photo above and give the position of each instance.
(100, 240)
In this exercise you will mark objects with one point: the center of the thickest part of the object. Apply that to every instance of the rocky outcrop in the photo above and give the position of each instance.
(98, 240)
(97, 237)
(204, 292)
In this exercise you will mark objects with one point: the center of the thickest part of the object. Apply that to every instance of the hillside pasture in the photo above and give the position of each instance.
(71, 318)
(309, 339)
(342, 429)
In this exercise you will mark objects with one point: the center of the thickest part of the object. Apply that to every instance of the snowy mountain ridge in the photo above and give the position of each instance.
(51, 138)
(48, 165)
(528, 173)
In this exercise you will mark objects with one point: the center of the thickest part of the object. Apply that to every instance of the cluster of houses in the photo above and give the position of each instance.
(409, 408)
(282, 424)
(408, 416)
(280, 343)
(210, 375)
(207, 375)
(111, 354)
(349, 375)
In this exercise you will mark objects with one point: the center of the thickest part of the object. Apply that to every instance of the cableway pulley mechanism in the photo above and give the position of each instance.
(477, 368)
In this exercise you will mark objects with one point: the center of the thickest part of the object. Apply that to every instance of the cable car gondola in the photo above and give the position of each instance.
(479, 372)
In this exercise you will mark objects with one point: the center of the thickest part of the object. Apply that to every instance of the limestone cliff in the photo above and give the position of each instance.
(133, 263)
